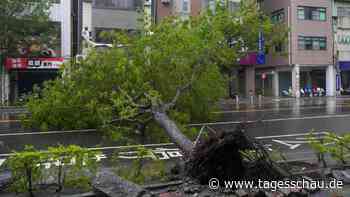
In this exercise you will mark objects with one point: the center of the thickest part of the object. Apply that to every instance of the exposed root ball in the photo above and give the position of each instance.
(222, 156)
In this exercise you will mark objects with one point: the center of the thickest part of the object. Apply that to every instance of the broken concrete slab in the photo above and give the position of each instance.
(111, 185)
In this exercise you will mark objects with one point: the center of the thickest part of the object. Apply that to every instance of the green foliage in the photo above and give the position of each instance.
(337, 146)
(70, 166)
(143, 169)
(26, 169)
(21, 21)
(117, 89)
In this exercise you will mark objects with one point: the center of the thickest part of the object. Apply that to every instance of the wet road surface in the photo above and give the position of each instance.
(280, 124)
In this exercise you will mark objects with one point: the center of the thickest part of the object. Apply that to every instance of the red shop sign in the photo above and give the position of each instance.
(33, 63)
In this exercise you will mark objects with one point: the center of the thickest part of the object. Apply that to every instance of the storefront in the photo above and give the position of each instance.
(25, 73)
(264, 82)
(344, 67)
(315, 78)
(285, 83)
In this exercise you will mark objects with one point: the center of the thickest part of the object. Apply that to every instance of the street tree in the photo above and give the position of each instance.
(159, 81)
(22, 22)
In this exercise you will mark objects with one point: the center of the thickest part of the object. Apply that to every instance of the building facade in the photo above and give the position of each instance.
(22, 72)
(303, 65)
(341, 27)
(114, 15)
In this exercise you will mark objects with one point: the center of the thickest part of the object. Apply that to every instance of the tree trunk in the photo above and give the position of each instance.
(29, 181)
(176, 136)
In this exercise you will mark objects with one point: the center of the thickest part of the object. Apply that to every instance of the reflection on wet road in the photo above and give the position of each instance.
(277, 123)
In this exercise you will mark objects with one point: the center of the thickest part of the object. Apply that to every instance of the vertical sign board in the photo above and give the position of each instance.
(260, 59)
(338, 81)
(2, 64)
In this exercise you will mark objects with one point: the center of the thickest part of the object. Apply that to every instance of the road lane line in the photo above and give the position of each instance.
(111, 147)
(170, 144)
(130, 146)
(47, 132)
(9, 121)
(290, 135)
(291, 146)
(269, 120)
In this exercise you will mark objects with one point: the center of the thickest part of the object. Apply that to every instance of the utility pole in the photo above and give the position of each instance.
(77, 19)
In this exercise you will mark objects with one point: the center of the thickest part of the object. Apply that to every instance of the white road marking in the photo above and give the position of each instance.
(291, 146)
(2, 161)
(111, 148)
(130, 146)
(289, 135)
(189, 125)
(271, 120)
(170, 144)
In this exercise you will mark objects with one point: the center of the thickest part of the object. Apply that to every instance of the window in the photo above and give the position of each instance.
(311, 13)
(278, 16)
(233, 6)
(301, 13)
(185, 6)
(279, 47)
(312, 43)
(117, 4)
(343, 16)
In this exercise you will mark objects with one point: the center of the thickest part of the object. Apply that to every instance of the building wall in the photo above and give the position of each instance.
(163, 9)
(305, 28)
(342, 34)
(196, 7)
(311, 28)
(66, 28)
(175, 8)
(87, 15)
(112, 18)
(55, 12)
(270, 6)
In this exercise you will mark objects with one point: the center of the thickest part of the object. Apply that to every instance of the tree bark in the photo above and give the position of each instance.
(176, 136)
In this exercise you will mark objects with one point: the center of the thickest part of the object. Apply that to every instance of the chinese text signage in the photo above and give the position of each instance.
(33, 63)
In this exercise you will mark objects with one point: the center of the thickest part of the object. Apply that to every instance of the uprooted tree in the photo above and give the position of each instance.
(158, 81)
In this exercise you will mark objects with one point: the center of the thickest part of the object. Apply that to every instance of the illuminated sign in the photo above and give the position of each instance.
(33, 63)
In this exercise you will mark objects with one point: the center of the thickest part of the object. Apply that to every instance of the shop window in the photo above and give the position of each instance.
(312, 43)
(311, 13)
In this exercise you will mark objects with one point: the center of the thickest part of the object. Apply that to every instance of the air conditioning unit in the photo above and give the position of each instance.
(165, 1)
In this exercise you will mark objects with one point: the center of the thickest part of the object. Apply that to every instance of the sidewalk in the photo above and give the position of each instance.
(282, 102)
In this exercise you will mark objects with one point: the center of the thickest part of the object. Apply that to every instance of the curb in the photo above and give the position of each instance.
(162, 185)
(88, 194)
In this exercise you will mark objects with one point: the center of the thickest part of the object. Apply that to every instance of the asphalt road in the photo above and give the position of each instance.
(280, 124)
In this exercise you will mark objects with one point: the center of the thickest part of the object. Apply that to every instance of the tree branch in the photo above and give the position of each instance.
(179, 92)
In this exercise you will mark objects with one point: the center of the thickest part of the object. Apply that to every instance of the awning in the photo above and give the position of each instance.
(344, 65)
(250, 59)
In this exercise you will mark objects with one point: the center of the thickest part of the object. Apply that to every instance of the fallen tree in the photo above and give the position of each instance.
(160, 82)
(232, 156)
